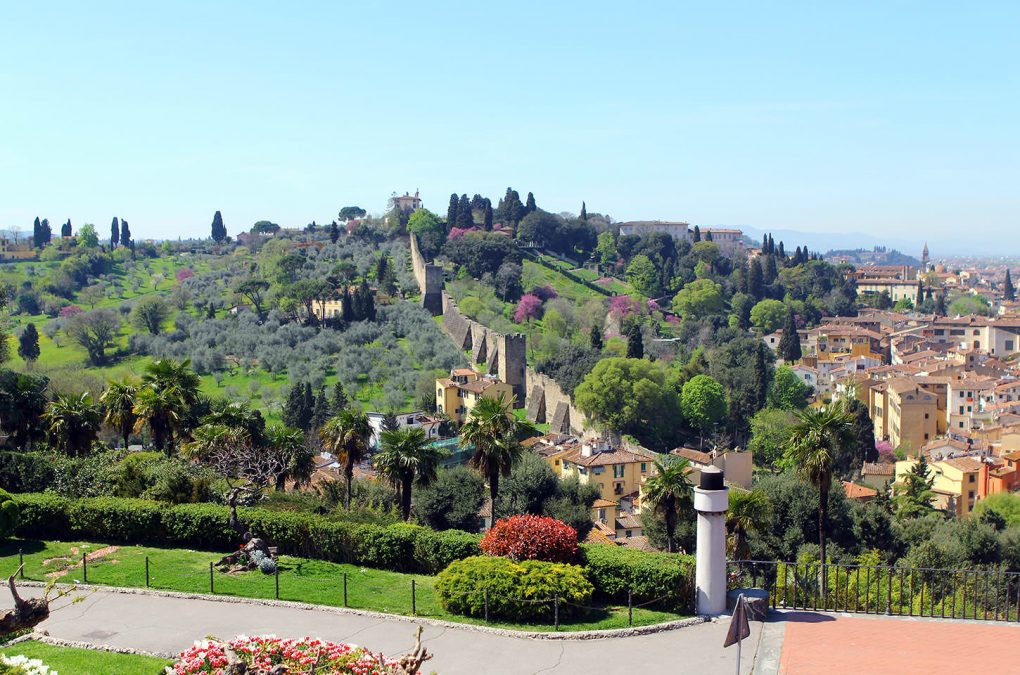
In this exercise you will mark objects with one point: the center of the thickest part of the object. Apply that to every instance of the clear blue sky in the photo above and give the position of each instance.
(885, 117)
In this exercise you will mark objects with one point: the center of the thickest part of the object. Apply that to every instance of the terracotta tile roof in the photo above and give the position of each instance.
(640, 543)
(693, 455)
(626, 521)
(601, 503)
(616, 456)
(878, 469)
(965, 464)
(857, 491)
(597, 535)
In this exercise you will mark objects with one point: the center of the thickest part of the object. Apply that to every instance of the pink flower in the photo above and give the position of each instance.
(529, 307)
(70, 310)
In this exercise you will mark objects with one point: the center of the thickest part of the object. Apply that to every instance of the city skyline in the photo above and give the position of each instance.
(891, 123)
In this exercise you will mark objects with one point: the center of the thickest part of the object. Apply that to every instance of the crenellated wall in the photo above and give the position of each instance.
(504, 356)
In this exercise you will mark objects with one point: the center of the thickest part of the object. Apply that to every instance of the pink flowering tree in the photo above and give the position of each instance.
(458, 232)
(622, 305)
(184, 273)
(886, 452)
(529, 307)
(70, 310)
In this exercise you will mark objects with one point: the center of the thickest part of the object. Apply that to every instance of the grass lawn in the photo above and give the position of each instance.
(74, 661)
(300, 579)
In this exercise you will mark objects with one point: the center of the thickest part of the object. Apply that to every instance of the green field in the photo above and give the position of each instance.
(300, 579)
(74, 661)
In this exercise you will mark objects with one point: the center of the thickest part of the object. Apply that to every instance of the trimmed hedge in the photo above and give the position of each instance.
(404, 548)
(518, 591)
(666, 578)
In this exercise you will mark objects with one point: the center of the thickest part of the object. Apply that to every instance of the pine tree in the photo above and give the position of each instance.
(914, 494)
(28, 344)
(595, 338)
(452, 210)
(488, 214)
(295, 413)
(321, 410)
(529, 205)
(755, 280)
(114, 232)
(635, 342)
(219, 231)
(465, 218)
(789, 344)
(125, 234)
(1008, 290)
(584, 213)
(334, 232)
(697, 234)
(340, 400)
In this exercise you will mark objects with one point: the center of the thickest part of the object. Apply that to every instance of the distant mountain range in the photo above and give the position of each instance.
(824, 242)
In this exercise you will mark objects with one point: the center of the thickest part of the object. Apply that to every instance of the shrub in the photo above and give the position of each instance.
(43, 516)
(113, 519)
(517, 591)
(667, 579)
(529, 537)
(267, 566)
(8, 515)
(25, 471)
(330, 658)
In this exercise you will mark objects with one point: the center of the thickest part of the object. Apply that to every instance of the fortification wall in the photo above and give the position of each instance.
(547, 402)
(429, 278)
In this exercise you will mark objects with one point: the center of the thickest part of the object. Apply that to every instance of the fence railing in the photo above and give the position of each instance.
(343, 589)
(982, 594)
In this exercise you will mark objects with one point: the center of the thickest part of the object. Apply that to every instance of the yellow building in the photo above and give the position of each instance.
(617, 472)
(904, 414)
(458, 394)
(957, 483)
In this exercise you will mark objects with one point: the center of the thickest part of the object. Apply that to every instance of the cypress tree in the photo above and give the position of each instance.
(340, 401)
(65, 229)
(210, 311)
(529, 205)
(125, 234)
(920, 293)
(697, 234)
(28, 344)
(452, 210)
(346, 305)
(367, 302)
(595, 338)
(1008, 290)
(307, 404)
(321, 410)
(772, 244)
(789, 344)
(114, 232)
(584, 212)
(940, 304)
(37, 233)
(465, 218)
(295, 412)
(755, 280)
(635, 344)
(219, 231)
(782, 252)
(708, 236)
(770, 273)
(45, 232)
(761, 377)
(488, 214)
(334, 232)
(764, 243)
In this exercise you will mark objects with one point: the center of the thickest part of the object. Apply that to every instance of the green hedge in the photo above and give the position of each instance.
(666, 578)
(405, 548)
(518, 591)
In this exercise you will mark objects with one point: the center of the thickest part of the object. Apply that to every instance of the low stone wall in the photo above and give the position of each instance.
(547, 402)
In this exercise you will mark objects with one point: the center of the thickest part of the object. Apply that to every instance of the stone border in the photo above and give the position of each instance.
(505, 632)
(45, 638)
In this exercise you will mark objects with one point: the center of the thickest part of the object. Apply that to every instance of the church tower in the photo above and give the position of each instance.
(924, 258)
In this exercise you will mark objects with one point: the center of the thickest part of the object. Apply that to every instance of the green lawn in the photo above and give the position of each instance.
(74, 661)
(300, 579)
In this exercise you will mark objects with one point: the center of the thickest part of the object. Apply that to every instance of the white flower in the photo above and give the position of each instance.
(29, 666)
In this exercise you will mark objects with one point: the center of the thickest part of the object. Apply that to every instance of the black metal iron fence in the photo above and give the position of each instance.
(982, 594)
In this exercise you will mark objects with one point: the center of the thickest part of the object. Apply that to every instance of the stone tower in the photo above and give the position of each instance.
(511, 363)
(924, 258)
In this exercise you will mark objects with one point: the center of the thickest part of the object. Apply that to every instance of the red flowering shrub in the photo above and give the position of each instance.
(531, 538)
(184, 273)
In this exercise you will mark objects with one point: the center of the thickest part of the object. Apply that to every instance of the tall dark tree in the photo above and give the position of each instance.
(37, 233)
(45, 232)
(1008, 290)
(584, 212)
(296, 412)
(321, 410)
(334, 232)
(65, 229)
(708, 236)
(529, 205)
(781, 252)
(697, 234)
(28, 344)
(487, 222)
(452, 210)
(595, 338)
(635, 341)
(339, 400)
(769, 272)
(940, 304)
(114, 232)
(761, 377)
(465, 219)
(789, 344)
(125, 234)
(219, 230)
(861, 447)
(756, 280)
(920, 293)
(772, 244)
(764, 244)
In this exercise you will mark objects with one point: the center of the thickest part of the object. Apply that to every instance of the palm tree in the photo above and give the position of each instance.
(408, 458)
(177, 379)
(289, 443)
(817, 437)
(668, 490)
(162, 410)
(210, 439)
(73, 423)
(119, 407)
(494, 433)
(346, 435)
(749, 511)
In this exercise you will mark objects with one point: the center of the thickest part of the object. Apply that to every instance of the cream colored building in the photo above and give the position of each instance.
(904, 414)
(957, 482)
(458, 394)
(617, 472)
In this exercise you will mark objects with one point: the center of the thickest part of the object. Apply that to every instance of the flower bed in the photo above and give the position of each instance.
(262, 653)
(22, 665)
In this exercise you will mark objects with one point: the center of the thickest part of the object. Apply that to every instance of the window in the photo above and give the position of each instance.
(644, 467)
(926, 437)
(1009, 345)
(970, 494)
(970, 479)
(961, 394)
(629, 532)
(602, 514)
(618, 470)
(961, 409)
(977, 332)
(961, 425)
(927, 416)
(969, 408)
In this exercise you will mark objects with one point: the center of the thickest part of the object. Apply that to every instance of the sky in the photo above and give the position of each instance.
(885, 118)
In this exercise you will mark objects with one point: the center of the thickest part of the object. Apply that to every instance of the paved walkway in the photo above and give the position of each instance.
(837, 644)
(168, 625)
